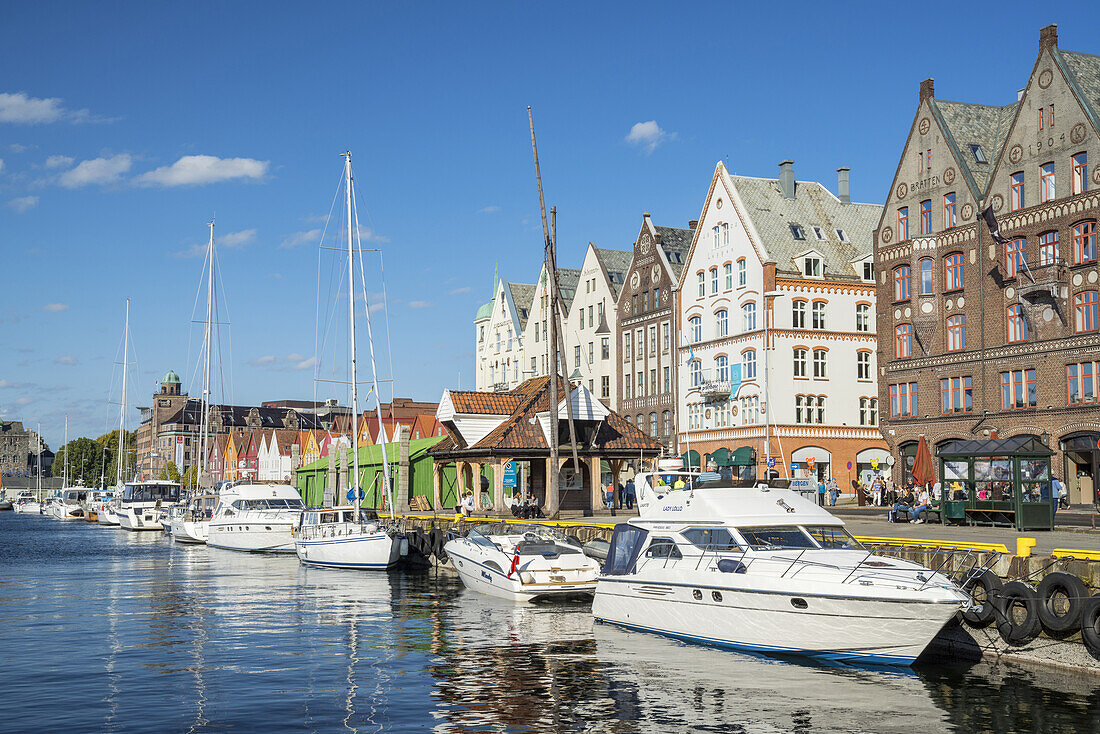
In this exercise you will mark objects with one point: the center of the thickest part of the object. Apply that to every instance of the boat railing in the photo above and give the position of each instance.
(278, 515)
(957, 565)
(336, 530)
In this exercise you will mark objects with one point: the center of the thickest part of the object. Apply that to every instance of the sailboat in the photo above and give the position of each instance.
(72, 499)
(31, 504)
(191, 523)
(340, 537)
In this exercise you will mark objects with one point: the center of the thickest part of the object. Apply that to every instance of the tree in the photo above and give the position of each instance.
(84, 457)
(170, 472)
(190, 477)
(109, 443)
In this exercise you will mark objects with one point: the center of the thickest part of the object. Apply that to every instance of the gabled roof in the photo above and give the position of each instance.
(675, 242)
(1084, 79)
(617, 265)
(285, 438)
(485, 403)
(568, 279)
(969, 124)
(772, 215)
(522, 296)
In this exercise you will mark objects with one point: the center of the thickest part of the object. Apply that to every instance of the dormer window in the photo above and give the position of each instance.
(979, 154)
(797, 231)
(868, 270)
(842, 235)
(819, 233)
(811, 266)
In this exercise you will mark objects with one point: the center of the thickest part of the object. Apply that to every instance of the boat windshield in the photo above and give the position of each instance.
(269, 504)
(832, 536)
(150, 492)
(776, 538)
(478, 536)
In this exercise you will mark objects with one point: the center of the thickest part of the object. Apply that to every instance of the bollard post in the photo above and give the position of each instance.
(1024, 546)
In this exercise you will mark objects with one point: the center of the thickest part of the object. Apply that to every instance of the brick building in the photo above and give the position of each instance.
(979, 339)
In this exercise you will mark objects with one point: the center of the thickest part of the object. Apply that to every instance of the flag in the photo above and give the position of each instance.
(515, 565)
(994, 228)
(735, 380)
(691, 355)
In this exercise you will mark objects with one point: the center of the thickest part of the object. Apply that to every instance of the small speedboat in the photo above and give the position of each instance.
(70, 505)
(522, 562)
(257, 517)
(107, 513)
(340, 537)
(190, 522)
(141, 503)
(26, 503)
(764, 570)
(97, 498)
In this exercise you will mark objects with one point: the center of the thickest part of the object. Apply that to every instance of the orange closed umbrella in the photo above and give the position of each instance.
(922, 464)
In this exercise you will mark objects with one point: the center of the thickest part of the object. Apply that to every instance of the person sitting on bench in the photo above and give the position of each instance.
(922, 506)
(901, 508)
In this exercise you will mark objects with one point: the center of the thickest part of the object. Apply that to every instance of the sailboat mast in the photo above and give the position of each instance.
(38, 479)
(122, 408)
(205, 419)
(351, 333)
(65, 475)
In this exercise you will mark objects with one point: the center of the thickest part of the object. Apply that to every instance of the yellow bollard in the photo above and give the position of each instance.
(1024, 546)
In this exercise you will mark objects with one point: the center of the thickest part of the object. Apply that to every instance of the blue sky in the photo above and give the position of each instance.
(124, 126)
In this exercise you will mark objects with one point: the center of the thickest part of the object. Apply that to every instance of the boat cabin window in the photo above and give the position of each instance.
(773, 538)
(663, 548)
(150, 492)
(711, 539)
(626, 542)
(476, 537)
(831, 536)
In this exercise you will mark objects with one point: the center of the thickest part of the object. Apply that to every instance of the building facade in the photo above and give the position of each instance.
(981, 339)
(590, 326)
(19, 448)
(498, 333)
(646, 334)
(776, 306)
(156, 443)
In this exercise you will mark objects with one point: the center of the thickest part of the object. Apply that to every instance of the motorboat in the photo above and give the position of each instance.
(341, 537)
(107, 513)
(256, 517)
(764, 570)
(27, 503)
(522, 562)
(97, 499)
(70, 504)
(191, 521)
(141, 503)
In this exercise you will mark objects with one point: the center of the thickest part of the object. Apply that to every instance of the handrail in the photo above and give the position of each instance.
(952, 544)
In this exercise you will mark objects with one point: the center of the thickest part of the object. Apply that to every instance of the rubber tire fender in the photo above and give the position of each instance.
(991, 584)
(1074, 588)
(1026, 630)
(1090, 624)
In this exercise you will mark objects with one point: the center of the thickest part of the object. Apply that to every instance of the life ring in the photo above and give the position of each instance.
(982, 590)
(1017, 608)
(1061, 599)
(1090, 624)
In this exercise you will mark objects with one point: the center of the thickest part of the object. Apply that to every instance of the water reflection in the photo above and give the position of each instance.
(145, 635)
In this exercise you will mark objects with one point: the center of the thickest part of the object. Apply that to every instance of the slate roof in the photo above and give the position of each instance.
(1084, 79)
(568, 279)
(617, 263)
(968, 124)
(522, 296)
(772, 215)
(675, 242)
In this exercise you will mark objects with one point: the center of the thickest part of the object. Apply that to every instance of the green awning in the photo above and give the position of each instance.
(690, 459)
(744, 456)
(721, 456)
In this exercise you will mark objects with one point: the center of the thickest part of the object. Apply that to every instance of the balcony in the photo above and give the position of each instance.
(1049, 279)
(715, 389)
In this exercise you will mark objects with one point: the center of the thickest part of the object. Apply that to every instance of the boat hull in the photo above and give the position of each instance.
(29, 508)
(255, 537)
(377, 551)
(139, 519)
(65, 512)
(487, 580)
(107, 516)
(190, 531)
(868, 631)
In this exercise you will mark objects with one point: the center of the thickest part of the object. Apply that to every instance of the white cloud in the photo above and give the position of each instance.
(23, 203)
(456, 291)
(24, 401)
(300, 238)
(97, 171)
(17, 148)
(419, 304)
(236, 240)
(647, 135)
(59, 161)
(66, 360)
(293, 361)
(306, 364)
(18, 107)
(295, 357)
(1, 164)
(491, 209)
(266, 359)
(56, 307)
(193, 170)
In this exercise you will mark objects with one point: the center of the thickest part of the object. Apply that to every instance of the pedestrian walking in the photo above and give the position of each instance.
(628, 494)
(821, 492)
(834, 491)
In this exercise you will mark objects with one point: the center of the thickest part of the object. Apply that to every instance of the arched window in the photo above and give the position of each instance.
(953, 271)
(799, 362)
(713, 280)
(1084, 242)
(748, 316)
(1016, 256)
(741, 273)
(722, 323)
(1085, 311)
(1048, 247)
(956, 333)
(818, 314)
(721, 368)
(695, 329)
(628, 419)
(903, 341)
(748, 364)
(863, 317)
(653, 424)
(926, 284)
(902, 280)
(696, 371)
(727, 271)
(1017, 324)
(666, 423)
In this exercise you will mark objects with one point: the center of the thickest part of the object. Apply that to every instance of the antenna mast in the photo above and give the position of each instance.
(351, 329)
(122, 408)
(207, 339)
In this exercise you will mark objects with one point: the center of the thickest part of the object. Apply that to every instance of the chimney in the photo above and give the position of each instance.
(927, 89)
(786, 178)
(645, 215)
(1020, 94)
(1048, 37)
(693, 223)
(842, 185)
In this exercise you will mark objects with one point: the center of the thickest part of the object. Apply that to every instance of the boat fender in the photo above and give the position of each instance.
(1090, 624)
(1061, 599)
(1017, 607)
(982, 614)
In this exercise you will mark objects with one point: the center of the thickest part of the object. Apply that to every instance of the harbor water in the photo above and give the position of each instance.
(107, 630)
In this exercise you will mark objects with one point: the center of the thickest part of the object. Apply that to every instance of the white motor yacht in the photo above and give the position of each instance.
(26, 503)
(97, 499)
(191, 522)
(107, 513)
(141, 502)
(339, 537)
(764, 570)
(70, 505)
(256, 517)
(522, 562)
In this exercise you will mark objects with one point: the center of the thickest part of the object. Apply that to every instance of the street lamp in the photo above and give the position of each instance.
(767, 396)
